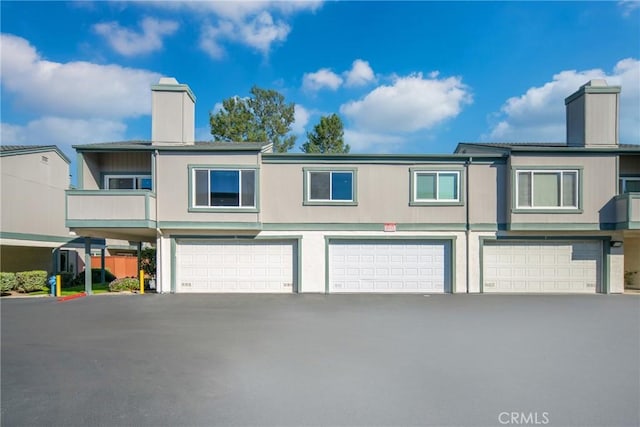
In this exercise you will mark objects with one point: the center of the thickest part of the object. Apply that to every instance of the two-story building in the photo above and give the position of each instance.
(33, 236)
(225, 217)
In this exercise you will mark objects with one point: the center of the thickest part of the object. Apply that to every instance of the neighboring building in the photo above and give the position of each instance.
(32, 231)
(488, 218)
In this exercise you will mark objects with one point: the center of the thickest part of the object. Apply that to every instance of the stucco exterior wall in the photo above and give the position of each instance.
(172, 186)
(599, 185)
(97, 165)
(33, 194)
(382, 191)
(488, 193)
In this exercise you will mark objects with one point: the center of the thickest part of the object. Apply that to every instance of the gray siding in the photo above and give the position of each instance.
(598, 186)
(33, 194)
(96, 165)
(172, 186)
(383, 195)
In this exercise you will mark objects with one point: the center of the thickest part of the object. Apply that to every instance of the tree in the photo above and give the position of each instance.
(327, 137)
(148, 261)
(262, 117)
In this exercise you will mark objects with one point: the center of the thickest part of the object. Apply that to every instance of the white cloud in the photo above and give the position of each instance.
(360, 74)
(301, 120)
(62, 132)
(256, 24)
(370, 142)
(72, 89)
(129, 43)
(539, 114)
(628, 6)
(410, 104)
(258, 32)
(323, 78)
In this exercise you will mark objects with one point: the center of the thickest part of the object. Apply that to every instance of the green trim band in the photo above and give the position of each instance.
(197, 225)
(110, 223)
(408, 159)
(558, 226)
(42, 238)
(362, 227)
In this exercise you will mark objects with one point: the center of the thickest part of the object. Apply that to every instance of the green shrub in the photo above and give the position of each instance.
(7, 282)
(66, 279)
(95, 277)
(124, 284)
(30, 281)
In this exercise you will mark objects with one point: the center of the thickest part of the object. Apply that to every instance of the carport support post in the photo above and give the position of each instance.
(102, 274)
(87, 265)
(55, 264)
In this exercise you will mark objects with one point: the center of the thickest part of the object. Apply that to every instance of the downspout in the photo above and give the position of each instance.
(467, 230)
(158, 231)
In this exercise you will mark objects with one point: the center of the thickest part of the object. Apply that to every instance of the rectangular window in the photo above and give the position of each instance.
(629, 185)
(547, 189)
(436, 186)
(224, 188)
(330, 186)
(128, 182)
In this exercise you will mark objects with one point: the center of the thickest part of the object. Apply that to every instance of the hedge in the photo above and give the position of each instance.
(30, 281)
(95, 277)
(124, 284)
(7, 282)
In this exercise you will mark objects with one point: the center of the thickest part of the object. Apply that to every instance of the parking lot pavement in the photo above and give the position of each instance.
(176, 360)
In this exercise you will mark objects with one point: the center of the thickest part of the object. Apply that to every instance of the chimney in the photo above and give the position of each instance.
(593, 115)
(172, 113)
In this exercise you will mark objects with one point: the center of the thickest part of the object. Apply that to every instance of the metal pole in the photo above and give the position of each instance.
(142, 281)
(87, 265)
(102, 274)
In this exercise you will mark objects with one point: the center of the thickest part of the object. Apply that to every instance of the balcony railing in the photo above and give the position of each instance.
(111, 209)
(628, 211)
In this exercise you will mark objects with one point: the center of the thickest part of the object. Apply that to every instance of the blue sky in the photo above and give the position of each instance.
(410, 77)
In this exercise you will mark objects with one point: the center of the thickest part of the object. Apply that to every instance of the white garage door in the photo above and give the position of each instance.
(234, 266)
(392, 266)
(564, 267)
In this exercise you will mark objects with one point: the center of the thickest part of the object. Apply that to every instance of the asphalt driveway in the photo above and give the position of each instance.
(176, 360)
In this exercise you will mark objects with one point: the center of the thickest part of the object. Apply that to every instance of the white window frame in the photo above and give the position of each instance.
(135, 177)
(561, 196)
(210, 206)
(623, 183)
(330, 200)
(437, 173)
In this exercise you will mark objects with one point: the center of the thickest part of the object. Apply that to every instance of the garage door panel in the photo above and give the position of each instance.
(398, 267)
(562, 267)
(224, 266)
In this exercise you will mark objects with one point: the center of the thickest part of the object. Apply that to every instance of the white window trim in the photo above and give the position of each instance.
(330, 172)
(209, 206)
(623, 182)
(119, 176)
(533, 186)
(437, 173)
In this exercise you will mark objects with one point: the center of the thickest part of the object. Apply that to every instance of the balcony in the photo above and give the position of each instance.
(122, 211)
(628, 211)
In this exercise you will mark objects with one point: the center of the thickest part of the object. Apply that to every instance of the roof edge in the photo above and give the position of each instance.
(36, 149)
